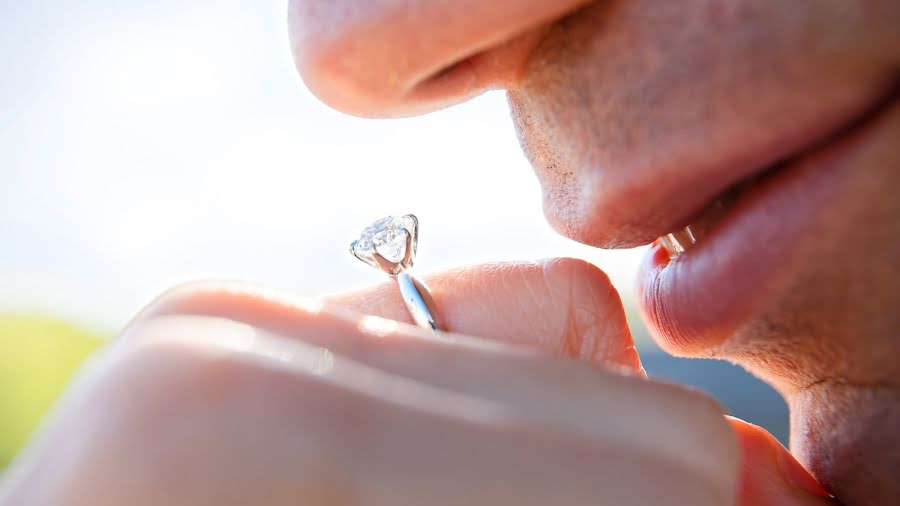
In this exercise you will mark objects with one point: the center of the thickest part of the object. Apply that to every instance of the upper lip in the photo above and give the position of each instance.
(641, 205)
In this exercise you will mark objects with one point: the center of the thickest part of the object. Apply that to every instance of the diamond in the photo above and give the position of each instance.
(388, 237)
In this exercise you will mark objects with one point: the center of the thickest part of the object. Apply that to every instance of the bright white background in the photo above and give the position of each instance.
(147, 143)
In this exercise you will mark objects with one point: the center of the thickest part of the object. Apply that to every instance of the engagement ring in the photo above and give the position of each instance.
(389, 244)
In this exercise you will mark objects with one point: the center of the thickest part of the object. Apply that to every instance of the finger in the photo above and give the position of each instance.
(563, 306)
(335, 430)
(770, 475)
(558, 392)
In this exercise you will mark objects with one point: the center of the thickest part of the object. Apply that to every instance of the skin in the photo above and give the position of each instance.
(281, 401)
(635, 116)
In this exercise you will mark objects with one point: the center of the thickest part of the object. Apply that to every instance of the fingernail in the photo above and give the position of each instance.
(771, 475)
(796, 474)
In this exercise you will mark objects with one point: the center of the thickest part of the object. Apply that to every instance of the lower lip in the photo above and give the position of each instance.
(694, 302)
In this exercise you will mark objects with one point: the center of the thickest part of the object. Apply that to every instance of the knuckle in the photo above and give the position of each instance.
(172, 378)
(231, 300)
(169, 408)
(181, 295)
(150, 383)
(131, 407)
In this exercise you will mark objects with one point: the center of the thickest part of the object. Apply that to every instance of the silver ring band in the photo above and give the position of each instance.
(390, 245)
(418, 300)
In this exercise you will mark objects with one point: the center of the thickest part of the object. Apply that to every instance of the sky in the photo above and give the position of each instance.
(143, 144)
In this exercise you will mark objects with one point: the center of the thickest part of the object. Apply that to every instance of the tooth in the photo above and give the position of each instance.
(670, 245)
(677, 242)
(690, 234)
(680, 241)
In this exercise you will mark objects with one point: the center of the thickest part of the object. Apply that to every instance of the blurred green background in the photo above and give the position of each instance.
(37, 358)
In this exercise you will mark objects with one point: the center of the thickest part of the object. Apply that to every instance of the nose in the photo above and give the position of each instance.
(388, 58)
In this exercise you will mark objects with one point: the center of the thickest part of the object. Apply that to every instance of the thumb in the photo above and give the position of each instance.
(563, 306)
(770, 475)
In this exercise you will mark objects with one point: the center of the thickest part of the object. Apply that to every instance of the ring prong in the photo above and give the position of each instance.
(415, 230)
(409, 255)
(386, 265)
(353, 250)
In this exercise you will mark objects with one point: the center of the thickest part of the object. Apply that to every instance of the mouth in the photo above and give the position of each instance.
(701, 282)
(680, 241)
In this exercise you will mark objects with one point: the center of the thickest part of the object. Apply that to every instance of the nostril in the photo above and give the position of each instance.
(449, 70)
(403, 57)
(496, 67)
(454, 83)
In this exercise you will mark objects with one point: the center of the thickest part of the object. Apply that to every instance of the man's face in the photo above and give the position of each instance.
(770, 128)
(773, 129)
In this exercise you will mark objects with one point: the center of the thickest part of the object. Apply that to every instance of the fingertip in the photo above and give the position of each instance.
(563, 306)
(599, 328)
(770, 475)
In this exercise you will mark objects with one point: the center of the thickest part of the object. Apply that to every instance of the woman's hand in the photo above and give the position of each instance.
(223, 394)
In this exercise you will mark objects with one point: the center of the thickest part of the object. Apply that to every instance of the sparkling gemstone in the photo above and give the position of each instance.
(387, 236)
